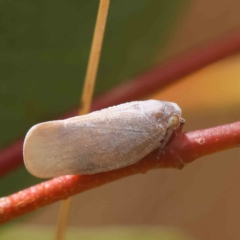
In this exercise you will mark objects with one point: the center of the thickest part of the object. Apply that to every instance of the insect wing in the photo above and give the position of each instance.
(100, 141)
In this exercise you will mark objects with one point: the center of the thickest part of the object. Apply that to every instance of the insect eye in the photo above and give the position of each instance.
(173, 121)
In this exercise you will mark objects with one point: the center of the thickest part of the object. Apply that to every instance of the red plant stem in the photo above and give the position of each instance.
(11, 157)
(156, 78)
(160, 76)
(183, 148)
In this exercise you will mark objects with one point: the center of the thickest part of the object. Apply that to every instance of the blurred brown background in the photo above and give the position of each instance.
(202, 200)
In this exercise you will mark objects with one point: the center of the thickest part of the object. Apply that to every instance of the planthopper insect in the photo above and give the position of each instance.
(100, 141)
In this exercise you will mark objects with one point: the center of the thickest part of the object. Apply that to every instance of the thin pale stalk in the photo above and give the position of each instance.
(86, 100)
(93, 62)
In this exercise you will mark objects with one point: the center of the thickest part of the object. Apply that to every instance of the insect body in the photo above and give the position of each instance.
(101, 141)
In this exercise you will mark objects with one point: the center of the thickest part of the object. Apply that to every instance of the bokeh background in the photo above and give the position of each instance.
(44, 49)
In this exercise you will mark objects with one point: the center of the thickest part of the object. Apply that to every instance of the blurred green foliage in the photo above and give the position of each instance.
(45, 46)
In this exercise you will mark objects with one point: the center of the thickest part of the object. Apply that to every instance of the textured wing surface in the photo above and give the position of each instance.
(89, 144)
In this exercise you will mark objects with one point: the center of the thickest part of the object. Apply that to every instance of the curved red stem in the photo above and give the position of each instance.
(158, 77)
(182, 148)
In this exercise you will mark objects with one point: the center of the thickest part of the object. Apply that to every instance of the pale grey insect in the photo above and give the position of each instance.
(101, 141)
